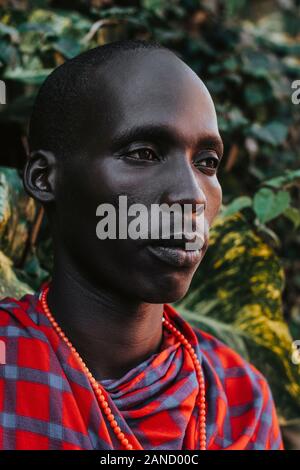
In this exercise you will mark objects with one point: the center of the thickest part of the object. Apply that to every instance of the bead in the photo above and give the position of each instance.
(114, 424)
(124, 442)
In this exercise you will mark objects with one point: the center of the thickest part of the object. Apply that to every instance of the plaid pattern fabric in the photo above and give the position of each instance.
(46, 401)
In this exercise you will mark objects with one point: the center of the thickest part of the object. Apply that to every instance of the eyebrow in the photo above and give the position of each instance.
(167, 134)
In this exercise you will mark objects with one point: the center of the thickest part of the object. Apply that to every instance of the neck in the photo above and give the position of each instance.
(111, 333)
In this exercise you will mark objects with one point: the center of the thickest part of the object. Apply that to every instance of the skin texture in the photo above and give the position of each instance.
(108, 295)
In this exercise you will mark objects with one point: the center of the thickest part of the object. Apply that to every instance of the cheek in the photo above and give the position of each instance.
(214, 199)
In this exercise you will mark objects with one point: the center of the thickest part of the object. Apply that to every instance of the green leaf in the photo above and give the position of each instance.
(224, 332)
(156, 6)
(10, 284)
(33, 77)
(274, 133)
(236, 205)
(10, 31)
(280, 181)
(268, 205)
(67, 46)
(4, 205)
(258, 94)
(293, 214)
(257, 64)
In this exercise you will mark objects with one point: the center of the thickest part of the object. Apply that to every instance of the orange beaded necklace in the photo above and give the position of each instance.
(98, 388)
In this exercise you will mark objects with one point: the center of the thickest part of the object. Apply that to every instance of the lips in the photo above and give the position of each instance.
(174, 252)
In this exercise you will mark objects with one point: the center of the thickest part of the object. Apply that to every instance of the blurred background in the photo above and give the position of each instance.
(247, 290)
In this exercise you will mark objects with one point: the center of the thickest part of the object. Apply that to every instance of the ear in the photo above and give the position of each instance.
(39, 176)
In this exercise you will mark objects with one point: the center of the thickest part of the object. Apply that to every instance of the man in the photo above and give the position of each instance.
(98, 359)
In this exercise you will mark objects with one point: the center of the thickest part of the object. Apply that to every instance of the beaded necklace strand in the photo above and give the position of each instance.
(99, 390)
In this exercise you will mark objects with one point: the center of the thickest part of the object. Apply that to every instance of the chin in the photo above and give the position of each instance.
(167, 290)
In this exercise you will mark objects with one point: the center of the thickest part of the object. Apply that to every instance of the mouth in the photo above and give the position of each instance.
(175, 253)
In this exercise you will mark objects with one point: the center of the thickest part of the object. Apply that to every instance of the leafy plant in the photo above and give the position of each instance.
(236, 295)
(248, 62)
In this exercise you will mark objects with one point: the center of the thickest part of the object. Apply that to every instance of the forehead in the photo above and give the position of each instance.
(153, 88)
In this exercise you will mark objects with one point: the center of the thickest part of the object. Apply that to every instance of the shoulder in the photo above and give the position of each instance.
(228, 371)
(230, 366)
(19, 313)
(19, 321)
(25, 346)
(246, 392)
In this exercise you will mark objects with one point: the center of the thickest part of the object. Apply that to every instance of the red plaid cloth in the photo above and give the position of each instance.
(46, 401)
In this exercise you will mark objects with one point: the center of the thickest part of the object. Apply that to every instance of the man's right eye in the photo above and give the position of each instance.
(142, 154)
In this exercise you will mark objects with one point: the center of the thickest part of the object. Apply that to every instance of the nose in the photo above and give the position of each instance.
(184, 187)
(185, 190)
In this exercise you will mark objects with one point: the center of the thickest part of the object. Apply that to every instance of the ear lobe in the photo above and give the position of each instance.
(40, 175)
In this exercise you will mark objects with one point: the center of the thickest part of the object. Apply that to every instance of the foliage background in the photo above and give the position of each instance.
(247, 291)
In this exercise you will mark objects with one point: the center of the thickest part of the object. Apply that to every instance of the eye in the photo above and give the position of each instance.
(142, 154)
(209, 161)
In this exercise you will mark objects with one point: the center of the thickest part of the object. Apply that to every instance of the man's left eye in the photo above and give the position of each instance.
(143, 154)
(209, 160)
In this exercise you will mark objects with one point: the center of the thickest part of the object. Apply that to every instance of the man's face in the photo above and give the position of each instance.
(152, 136)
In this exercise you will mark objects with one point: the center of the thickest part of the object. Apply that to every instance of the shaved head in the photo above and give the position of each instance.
(66, 98)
